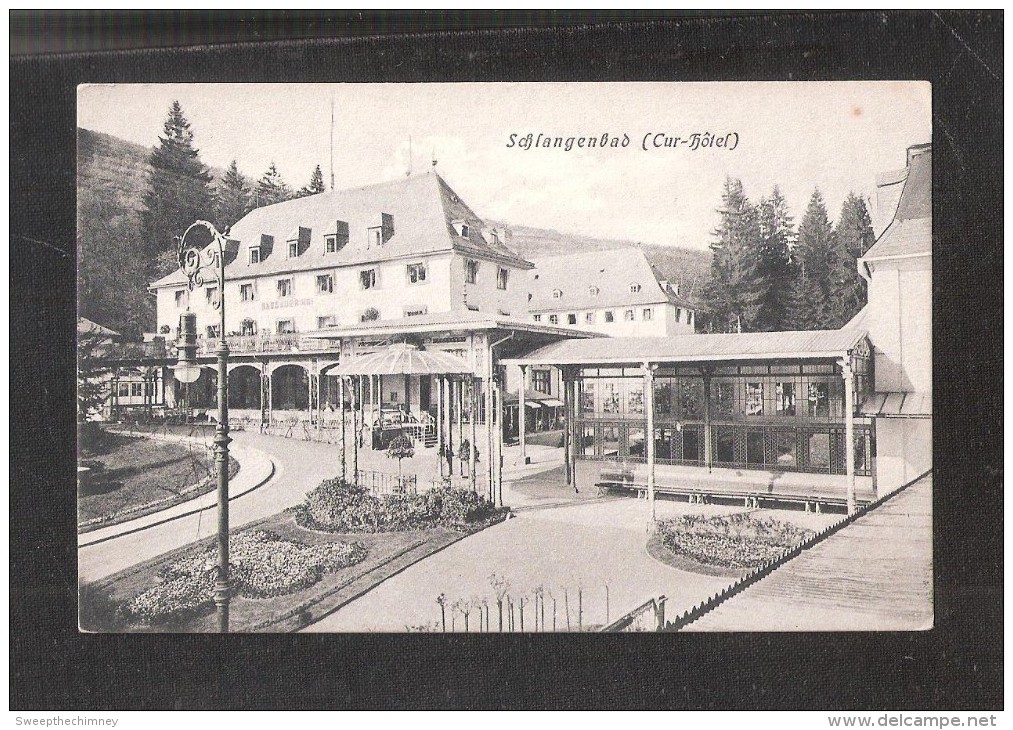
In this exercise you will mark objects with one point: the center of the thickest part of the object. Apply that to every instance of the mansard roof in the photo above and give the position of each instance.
(421, 211)
(910, 232)
(596, 279)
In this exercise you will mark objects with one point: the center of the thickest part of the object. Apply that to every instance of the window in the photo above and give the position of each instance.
(415, 311)
(325, 322)
(571, 319)
(553, 319)
(416, 273)
(784, 399)
(557, 293)
(634, 288)
(501, 278)
(367, 279)
(246, 292)
(540, 381)
(723, 398)
(325, 284)
(248, 327)
(180, 295)
(589, 317)
(538, 318)
(255, 255)
(465, 230)
(123, 390)
(211, 293)
(691, 397)
(610, 315)
(678, 315)
(819, 400)
(470, 271)
(212, 332)
(136, 389)
(689, 316)
(286, 326)
(331, 244)
(628, 315)
(594, 291)
(293, 249)
(648, 313)
(754, 399)
(284, 287)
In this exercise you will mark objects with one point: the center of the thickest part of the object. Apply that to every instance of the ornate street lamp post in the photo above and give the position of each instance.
(202, 250)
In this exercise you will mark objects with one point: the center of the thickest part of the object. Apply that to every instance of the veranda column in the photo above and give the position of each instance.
(566, 425)
(448, 411)
(320, 399)
(849, 432)
(265, 396)
(460, 411)
(473, 422)
(522, 415)
(707, 419)
(356, 405)
(440, 411)
(498, 440)
(649, 406)
(344, 440)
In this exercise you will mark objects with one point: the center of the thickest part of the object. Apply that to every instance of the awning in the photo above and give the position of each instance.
(533, 405)
(404, 359)
(552, 402)
(898, 405)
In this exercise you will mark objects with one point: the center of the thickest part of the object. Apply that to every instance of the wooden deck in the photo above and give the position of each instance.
(875, 574)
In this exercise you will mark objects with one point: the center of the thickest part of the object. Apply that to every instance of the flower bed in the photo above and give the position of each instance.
(262, 565)
(740, 541)
(337, 506)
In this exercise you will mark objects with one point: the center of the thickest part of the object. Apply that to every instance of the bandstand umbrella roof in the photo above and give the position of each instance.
(404, 359)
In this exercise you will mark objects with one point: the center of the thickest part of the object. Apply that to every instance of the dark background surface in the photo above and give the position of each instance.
(958, 665)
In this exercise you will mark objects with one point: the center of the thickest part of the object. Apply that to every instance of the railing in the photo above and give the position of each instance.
(649, 616)
(268, 343)
(379, 483)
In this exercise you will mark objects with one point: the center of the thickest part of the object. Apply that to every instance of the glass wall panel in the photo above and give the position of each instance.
(610, 442)
(754, 448)
(818, 451)
(754, 399)
(819, 400)
(692, 445)
(663, 444)
(784, 398)
(785, 445)
(611, 397)
(664, 390)
(691, 398)
(587, 388)
(722, 399)
(636, 444)
(635, 398)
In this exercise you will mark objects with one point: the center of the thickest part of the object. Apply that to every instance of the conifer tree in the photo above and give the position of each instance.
(853, 237)
(774, 269)
(271, 188)
(316, 183)
(731, 291)
(815, 263)
(179, 189)
(232, 197)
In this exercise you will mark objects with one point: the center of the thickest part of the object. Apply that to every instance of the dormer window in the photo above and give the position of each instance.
(255, 254)
(634, 288)
(465, 230)
(594, 291)
(336, 238)
(557, 293)
(293, 249)
(461, 228)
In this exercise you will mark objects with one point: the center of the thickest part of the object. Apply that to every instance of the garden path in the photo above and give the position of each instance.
(299, 467)
(585, 544)
(873, 575)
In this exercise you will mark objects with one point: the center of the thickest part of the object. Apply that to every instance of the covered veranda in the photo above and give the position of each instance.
(757, 417)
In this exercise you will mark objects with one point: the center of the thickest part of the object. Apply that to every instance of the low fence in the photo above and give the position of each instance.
(380, 483)
(648, 616)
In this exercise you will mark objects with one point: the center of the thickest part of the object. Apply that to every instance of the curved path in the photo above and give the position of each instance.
(299, 467)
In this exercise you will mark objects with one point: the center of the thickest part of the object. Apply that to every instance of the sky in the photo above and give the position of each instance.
(798, 135)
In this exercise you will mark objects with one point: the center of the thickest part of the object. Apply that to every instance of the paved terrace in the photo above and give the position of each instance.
(875, 574)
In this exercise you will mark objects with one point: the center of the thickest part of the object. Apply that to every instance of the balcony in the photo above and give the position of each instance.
(261, 343)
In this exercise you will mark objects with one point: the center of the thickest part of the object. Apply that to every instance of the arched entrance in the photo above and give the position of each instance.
(200, 394)
(290, 388)
(244, 387)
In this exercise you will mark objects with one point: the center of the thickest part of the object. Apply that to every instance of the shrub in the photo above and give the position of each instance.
(337, 506)
(731, 541)
(262, 565)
